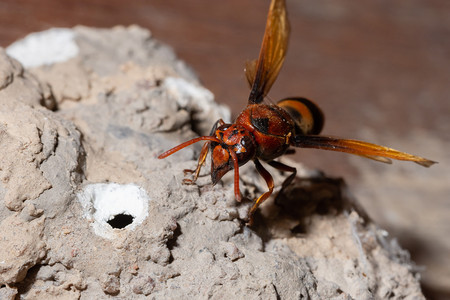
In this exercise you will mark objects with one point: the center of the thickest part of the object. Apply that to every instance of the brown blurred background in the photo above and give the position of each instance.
(380, 70)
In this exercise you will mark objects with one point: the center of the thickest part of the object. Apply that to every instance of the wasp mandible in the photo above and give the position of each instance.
(263, 132)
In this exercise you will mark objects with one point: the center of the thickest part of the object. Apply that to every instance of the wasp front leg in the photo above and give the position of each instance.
(201, 162)
(203, 155)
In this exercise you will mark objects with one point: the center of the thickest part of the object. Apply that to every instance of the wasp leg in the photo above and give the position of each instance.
(203, 154)
(282, 167)
(237, 192)
(269, 180)
(201, 162)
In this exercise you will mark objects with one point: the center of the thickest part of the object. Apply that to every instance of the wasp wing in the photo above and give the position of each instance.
(372, 151)
(378, 158)
(250, 71)
(261, 73)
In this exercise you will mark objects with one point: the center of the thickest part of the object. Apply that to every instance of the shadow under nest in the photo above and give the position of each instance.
(304, 198)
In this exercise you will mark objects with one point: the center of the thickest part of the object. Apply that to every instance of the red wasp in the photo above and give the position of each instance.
(266, 131)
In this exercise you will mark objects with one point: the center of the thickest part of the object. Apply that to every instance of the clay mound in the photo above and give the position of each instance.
(88, 210)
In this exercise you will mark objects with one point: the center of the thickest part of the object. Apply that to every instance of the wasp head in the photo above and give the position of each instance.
(234, 138)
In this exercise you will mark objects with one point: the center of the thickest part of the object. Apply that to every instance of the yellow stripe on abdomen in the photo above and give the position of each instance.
(306, 114)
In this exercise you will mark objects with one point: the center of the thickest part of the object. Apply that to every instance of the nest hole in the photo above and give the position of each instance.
(120, 221)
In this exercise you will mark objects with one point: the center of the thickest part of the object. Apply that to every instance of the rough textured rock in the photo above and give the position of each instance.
(119, 103)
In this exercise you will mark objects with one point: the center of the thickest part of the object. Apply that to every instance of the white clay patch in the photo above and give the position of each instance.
(113, 208)
(45, 47)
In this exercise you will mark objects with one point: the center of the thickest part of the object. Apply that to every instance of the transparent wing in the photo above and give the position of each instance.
(262, 73)
(372, 151)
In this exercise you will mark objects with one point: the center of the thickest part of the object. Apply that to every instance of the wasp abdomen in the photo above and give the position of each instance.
(307, 116)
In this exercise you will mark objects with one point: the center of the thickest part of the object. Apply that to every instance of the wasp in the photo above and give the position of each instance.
(263, 132)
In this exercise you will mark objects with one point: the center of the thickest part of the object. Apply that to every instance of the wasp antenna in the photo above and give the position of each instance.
(188, 143)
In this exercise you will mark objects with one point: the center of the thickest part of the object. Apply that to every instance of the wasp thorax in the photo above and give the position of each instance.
(234, 138)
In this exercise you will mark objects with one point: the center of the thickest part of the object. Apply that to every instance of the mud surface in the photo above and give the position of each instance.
(103, 116)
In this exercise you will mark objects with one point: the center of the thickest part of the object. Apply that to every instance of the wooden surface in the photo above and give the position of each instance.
(381, 67)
